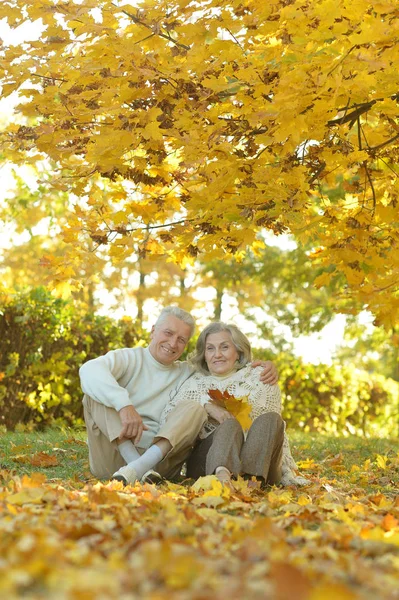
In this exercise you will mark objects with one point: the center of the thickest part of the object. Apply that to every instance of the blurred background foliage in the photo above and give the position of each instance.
(44, 340)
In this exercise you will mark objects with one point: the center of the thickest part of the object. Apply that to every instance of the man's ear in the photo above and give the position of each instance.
(152, 331)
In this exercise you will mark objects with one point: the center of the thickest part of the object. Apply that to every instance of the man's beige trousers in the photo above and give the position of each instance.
(103, 425)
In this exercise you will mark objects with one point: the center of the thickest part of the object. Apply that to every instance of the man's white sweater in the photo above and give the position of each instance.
(131, 376)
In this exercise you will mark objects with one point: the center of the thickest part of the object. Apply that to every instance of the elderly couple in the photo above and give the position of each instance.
(144, 409)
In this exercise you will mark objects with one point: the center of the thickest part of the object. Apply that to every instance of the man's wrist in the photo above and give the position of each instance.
(125, 406)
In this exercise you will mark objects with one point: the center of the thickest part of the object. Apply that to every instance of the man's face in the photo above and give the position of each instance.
(169, 339)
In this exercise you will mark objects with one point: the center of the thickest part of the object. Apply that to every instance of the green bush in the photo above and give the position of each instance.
(43, 342)
(337, 399)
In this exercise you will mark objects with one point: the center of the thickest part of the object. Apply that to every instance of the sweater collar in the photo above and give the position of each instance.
(225, 375)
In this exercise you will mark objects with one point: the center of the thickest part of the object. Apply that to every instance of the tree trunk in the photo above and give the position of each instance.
(218, 303)
(395, 368)
(140, 294)
(183, 290)
(90, 296)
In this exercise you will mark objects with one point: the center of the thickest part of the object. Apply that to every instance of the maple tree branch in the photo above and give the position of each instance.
(370, 150)
(49, 77)
(66, 106)
(359, 110)
(371, 185)
(235, 39)
(260, 153)
(364, 189)
(162, 35)
(386, 287)
(365, 139)
(149, 227)
(393, 139)
(342, 59)
(106, 237)
(316, 174)
(351, 117)
(144, 39)
(88, 174)
(389, 167)
(168, 80)
(179, 44)
(359, 104)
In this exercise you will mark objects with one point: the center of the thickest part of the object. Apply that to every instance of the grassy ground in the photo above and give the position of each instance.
(67, 446)
(346, 459)
(320, 455)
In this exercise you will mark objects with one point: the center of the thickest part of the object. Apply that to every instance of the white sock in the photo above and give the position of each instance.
(128, 451)
(147, 461)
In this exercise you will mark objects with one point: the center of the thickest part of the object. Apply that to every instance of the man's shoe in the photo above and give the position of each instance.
(152, 477)
(127, 475)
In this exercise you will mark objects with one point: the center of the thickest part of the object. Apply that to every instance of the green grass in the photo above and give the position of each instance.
(67, 445)
(334, 457)
(368, 463)
(355, 450)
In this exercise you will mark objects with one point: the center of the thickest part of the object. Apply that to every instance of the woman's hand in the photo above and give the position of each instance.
(269, 374)
(217, 413)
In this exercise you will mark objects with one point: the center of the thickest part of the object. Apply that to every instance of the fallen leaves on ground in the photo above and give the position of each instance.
(330, 540)
(39, 459)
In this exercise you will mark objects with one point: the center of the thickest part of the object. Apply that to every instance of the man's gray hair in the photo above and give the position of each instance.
(179, 313)
(240, 341)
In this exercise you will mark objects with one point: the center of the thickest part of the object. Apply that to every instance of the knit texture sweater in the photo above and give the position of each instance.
(263, 398)
(131, 376)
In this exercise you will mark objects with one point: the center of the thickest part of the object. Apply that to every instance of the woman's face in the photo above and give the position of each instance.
(220, 353)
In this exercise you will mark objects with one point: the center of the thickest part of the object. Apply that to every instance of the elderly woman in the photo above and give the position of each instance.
(222, 362)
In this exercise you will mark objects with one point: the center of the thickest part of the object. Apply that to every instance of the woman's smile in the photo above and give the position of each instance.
(220, 353)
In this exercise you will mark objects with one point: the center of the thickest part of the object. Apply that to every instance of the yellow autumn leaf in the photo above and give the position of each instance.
(216, 85)
(241, 410)
(206, 484)
(381, 461)
(63, 289)
(304, 500)
(332, 591)
(215, 493)
(27, 496)
(323, 279)
(309, 463)
(152, 132)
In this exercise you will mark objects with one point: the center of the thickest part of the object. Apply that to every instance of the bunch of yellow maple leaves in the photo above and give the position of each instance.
(239, 407)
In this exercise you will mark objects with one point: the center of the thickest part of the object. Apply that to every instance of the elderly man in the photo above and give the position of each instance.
(126, 391)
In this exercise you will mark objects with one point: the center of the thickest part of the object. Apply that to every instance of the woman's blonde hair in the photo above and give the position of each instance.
(240, 342)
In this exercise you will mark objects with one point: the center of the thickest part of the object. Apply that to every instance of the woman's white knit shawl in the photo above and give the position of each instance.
(263, 398)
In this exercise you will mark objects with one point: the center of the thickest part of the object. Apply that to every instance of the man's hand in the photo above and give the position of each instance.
(269, 374)
(217, 412)
(132, 424)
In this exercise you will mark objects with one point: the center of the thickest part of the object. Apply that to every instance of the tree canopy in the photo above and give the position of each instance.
(184, 128)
